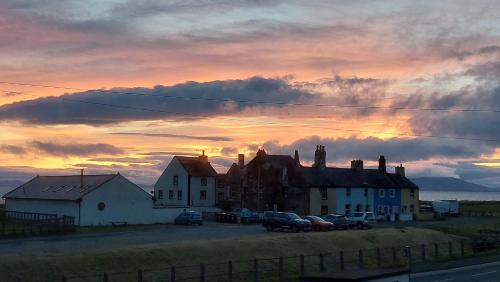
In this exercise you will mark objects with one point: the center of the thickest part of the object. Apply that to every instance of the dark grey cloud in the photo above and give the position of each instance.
(12, 149)
(75, 149)
(470, 171)
(472, 125)
(229, 151)
(9, 93)
(182, 136)
(190, 100)
(395, 149)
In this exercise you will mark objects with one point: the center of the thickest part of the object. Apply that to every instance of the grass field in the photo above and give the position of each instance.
(45, 268)
(480, 207)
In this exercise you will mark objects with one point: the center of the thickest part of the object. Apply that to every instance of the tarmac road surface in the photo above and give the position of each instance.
(487, 272)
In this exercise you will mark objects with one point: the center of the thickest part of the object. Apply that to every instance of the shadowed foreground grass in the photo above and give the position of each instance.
(52, 267)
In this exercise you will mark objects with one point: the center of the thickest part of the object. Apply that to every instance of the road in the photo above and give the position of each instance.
(154, 235)
(488, 272)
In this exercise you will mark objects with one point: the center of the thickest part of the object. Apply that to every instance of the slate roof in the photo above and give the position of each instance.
(402, 181)
(348, 177)
(197, 168)
(67, 188)
(276, 161)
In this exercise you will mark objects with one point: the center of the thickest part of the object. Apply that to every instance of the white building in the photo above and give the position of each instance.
(90, 199)
(187, 182)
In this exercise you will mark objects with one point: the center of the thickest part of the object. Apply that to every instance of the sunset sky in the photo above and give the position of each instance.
(363, 78)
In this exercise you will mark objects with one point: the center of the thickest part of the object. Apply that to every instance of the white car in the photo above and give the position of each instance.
(362, 220)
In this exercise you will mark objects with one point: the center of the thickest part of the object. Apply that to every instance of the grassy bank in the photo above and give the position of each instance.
(45, 268)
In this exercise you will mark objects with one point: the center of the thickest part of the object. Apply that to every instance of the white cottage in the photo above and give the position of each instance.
(187, 182)
(90, 199)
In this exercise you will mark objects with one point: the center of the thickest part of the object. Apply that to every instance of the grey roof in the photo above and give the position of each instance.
(67, 188)
(402, 181)
(344, 177)
(276, 161)
(197, 168)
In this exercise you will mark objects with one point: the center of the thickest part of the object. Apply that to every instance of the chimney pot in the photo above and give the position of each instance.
(382, 164)
(241, 160)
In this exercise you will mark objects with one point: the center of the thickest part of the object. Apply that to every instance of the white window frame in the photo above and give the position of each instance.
(392, 193)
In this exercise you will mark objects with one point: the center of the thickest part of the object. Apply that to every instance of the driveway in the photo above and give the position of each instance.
(111, 240)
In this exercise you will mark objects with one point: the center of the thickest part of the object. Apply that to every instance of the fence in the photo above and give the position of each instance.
(291, 267)
(15, 224)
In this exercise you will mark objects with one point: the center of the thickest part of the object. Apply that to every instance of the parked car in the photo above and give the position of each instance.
(226, 217)
(339, 221)
(247, 216)
(319, 224)
(285, 221)
(362, 219)
(189, 218)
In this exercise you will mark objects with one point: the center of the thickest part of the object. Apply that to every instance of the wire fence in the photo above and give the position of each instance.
(290, 268)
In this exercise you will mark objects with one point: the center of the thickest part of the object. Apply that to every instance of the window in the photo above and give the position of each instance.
(324, 194)
(203, 182)
(176, 180)
(220, 197)
(160, 194)
(412, 193)
(171, 194)
(101, 206)
(347, 209)
(203, 195)
(367, 208)
(324, 210)
(381, 193)
(392, 193)
(366, 192)
(220, 184)
(179, 195)
(348, 192)
(380, 210)
(412, 208)
(358, 207)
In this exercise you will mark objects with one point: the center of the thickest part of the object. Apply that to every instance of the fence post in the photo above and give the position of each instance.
(139, 275)
(450, 251)
(394, 257)
(202, 272)
(302, 265)
(341, 257)
(436, 250)
(105, 277)
(360, 257)
(230, 271)
(408, 255)
(280, 270)
(379, 257)
(423, 252)
(321, 263)
(255, 270)
(462, 247)
(172, 274)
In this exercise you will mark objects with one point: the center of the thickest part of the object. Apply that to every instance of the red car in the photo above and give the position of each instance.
(319, 224)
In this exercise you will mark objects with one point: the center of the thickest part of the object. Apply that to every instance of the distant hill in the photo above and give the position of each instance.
(450, 184)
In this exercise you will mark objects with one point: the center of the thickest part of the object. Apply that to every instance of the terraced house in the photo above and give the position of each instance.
(281, 182)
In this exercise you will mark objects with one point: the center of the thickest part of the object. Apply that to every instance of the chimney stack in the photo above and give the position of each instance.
(381, 164)
(400, 170)
(203, 158)
(296, 157)
(241, 160)
(357, 164)
(81, 177)
(320, 157)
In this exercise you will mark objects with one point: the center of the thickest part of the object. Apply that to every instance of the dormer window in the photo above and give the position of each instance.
(203, 181)
(381, 193)
(176, 180)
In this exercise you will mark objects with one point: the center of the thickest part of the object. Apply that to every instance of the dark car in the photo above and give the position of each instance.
(247, 216)
(285, 221)
(319, 224)
(339, 221)
(189, 218)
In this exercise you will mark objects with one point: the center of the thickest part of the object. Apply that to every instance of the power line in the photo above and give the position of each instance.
(236, 119)
(275, 123)
(254, 102)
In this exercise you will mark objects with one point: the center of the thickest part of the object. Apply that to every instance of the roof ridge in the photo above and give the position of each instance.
(79, 175)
